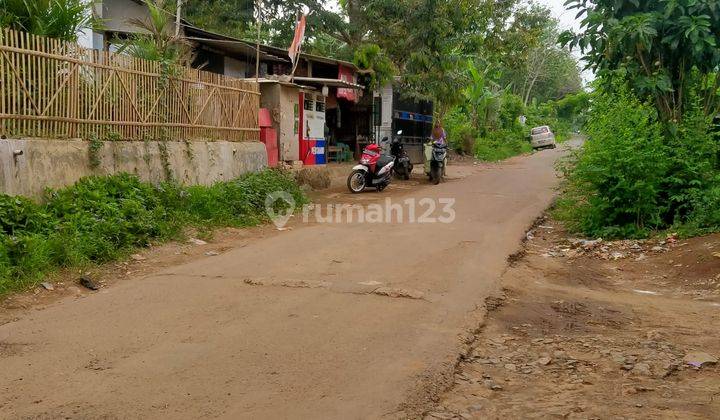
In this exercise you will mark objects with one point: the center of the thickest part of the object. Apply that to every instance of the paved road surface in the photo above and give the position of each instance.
(322, 321)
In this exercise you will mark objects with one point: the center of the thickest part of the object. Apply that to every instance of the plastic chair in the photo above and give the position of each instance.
(344, 155)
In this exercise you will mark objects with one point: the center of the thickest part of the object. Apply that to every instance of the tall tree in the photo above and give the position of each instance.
(656, 45)
(428, 42)
(229, 17)
(431, 47)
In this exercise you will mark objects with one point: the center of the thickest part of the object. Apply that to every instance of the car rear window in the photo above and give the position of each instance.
(539, 130)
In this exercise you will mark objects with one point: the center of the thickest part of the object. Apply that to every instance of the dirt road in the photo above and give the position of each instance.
(343, 320)
(596, 329)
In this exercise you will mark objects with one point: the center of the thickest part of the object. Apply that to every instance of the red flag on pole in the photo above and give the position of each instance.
(294, 50)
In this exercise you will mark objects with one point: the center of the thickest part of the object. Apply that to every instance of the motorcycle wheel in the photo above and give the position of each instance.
(435, 175)
(356, 181)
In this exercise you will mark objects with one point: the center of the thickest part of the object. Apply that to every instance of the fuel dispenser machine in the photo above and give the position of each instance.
(312, 128)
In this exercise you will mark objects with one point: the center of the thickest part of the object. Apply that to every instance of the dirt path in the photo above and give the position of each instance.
(321, 321)
(589, 330)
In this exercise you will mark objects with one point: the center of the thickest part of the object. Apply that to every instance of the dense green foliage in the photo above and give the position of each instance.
(371, 57)
(564, 116)
(486, 122)
(634, 177)
(651, 161)
(233, 17)
(53, 18)
(655, 45)
(101, 218)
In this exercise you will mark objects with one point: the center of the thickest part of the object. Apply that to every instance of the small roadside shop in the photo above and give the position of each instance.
(307, 117)
(394, 111)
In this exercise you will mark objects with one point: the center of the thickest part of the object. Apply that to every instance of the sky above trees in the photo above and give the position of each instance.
(565, 17)
(568, 22)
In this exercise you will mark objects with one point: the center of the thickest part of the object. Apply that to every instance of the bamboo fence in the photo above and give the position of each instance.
(55, 89)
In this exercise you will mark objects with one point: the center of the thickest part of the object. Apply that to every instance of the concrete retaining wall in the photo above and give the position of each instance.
(28, 166)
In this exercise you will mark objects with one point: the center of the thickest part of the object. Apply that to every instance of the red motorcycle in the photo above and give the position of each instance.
(374, 170)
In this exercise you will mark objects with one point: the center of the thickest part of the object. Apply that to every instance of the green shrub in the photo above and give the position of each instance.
(113, 213)
(636, 176)
(21, 214)
(236, 203)
(102, 218)
(498, 134)
(616, 181)
(52, 18)
(460, 131)
(511, 109)
(692, 156)
(705, 217)
(501, 144)
(572, 109)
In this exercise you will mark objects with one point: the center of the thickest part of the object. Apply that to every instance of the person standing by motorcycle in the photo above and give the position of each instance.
(436, 154)
(439, 136)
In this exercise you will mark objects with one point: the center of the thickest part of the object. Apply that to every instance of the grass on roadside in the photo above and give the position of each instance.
(500, 146)
(100, 219)
(638, 176)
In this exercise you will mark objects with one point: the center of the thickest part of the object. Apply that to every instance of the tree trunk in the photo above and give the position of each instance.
(178, 18)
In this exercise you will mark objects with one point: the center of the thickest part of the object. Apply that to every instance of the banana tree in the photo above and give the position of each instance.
(482, 97)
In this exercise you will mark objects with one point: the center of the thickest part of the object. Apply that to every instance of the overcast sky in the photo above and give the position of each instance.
(566, 17)
(568, 21)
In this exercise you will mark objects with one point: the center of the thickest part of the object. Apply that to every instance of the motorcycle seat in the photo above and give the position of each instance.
(384, 160)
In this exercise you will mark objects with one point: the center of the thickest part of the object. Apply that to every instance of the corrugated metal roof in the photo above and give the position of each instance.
(233, 46)
(226, 43)
(283, 52)
(328, 82)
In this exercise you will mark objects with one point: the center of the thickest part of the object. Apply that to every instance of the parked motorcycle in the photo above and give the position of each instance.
(435, 161)
(403, 166)
(374, 170)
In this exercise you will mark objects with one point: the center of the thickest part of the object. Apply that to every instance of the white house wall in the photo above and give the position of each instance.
(386, 112)
(87, 38)
(117, 14)
(289, 117)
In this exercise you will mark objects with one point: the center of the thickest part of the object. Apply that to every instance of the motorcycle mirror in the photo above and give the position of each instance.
(384, 140)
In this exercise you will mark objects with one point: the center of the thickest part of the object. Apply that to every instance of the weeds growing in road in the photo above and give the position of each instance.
(100, 219)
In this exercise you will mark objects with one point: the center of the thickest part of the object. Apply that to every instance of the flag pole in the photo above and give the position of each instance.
(299, 50)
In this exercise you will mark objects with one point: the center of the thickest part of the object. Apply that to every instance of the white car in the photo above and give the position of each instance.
(542, 137)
